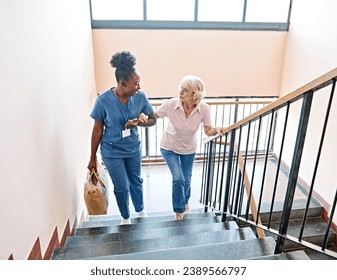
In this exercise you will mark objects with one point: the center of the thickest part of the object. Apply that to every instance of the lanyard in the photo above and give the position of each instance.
(120, 105)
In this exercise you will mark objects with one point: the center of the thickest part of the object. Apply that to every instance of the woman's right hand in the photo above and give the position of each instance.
(143, 118)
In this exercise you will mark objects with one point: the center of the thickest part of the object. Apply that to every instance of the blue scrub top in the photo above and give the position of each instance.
(115, 115)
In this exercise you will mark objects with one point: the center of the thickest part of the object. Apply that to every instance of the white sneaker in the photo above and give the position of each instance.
(142, 214)
(125, 221)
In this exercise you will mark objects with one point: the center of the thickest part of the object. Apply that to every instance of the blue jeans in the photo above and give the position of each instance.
(126, 177)
(181, 170)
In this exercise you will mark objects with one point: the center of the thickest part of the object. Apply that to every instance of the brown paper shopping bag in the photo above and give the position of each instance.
(95, 194)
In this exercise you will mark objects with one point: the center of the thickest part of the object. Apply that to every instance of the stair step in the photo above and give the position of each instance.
(317, 255)
(124, 228)
(239, 250)
(298, 210)
(314, 232)
(148, 233)
(313, 212)
(175, 241)
(135, 215)
(137, 220)
(295, 255)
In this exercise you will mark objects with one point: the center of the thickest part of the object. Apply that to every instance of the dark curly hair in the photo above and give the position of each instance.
(124, 62)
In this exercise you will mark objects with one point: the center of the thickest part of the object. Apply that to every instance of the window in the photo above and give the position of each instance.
(173, 10)
(221, 10)
(191, 14)
(116, 10)
(267, 11)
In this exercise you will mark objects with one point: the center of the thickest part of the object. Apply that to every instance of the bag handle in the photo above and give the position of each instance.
(93, 172)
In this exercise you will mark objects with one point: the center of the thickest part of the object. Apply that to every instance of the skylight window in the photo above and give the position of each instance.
(191, 14)
(221, 10)
(173, 10)
(267, 11)
(117, 9)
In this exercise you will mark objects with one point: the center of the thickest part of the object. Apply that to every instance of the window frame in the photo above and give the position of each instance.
(191, 25)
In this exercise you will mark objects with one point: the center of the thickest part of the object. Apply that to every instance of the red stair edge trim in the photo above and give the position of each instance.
(36, 254)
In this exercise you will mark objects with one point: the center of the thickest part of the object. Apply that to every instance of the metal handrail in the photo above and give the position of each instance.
(225, 112)
(314, 85)
(231, 201)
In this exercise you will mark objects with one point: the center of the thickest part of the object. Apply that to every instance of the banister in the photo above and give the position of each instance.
(314, 85)
(247, 184)
(237, 185)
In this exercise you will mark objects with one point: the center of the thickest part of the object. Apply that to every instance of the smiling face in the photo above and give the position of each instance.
(132, 86)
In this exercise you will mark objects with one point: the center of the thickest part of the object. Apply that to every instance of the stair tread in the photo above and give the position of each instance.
(239, 250)
(137, 220)
(298, 204)
(320, 255)
(314, 232)
(295, 255)
(134, 215)
(123, 228)
(148, 233)
(126, 247)
(298, 210)
(313, 227)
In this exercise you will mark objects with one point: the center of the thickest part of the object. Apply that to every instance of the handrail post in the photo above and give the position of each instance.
(147, 142)
(229, 172)
(209, 173)
(295, 166)
(236, 111)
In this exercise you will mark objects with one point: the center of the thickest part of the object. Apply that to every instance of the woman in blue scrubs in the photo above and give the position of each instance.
(116, 117)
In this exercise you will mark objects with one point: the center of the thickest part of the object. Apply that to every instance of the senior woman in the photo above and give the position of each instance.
(179, 142)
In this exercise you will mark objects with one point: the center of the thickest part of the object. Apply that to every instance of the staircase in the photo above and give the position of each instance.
(314, 230)
(200, 236)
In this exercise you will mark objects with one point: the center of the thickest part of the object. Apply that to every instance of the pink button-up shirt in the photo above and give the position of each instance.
(180, 136)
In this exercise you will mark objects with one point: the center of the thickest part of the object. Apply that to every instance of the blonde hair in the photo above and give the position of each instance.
(195, 84)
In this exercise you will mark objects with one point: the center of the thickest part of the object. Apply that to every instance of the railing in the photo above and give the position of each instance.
(225, 112)
(247, 166)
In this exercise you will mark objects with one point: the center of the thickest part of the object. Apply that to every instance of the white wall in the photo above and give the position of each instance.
(311, 52)
(46, 93)
(311, 43)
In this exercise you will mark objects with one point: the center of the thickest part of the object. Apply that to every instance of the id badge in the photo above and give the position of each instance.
(126, 132)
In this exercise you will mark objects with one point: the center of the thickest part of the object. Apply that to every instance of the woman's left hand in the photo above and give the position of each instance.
(210, 131)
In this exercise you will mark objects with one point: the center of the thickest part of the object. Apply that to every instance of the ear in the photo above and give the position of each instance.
(123, 83)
